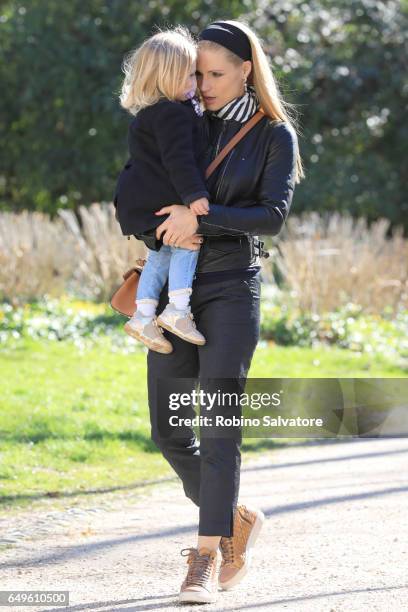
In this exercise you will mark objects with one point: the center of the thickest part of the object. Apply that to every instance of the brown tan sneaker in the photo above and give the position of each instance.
(237, 550)
(201, 583)
(181, 323)
(146, 330)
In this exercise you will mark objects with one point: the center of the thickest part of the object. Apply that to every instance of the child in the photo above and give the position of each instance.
(159, 88)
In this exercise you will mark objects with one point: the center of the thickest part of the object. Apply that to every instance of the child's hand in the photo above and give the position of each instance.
(200, 207)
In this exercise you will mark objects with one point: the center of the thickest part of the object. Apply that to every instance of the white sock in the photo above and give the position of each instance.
(146, 309)
(180, 300)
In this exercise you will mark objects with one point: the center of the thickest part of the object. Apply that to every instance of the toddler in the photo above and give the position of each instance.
(159, 89)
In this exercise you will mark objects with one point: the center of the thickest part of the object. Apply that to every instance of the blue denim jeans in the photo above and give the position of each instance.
(170, 263)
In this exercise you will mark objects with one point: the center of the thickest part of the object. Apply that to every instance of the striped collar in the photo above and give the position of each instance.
(239, 109)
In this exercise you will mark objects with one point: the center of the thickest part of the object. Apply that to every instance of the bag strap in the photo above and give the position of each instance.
(233, 142)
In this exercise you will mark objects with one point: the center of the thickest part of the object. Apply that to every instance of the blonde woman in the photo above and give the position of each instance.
(159, 89)
(250, 195)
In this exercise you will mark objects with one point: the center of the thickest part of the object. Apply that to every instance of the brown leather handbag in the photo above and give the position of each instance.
(123, 300)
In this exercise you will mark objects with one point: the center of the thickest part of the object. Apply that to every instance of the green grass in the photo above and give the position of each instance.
(74, 420)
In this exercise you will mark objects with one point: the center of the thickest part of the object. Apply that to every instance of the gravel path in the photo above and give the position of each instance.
(336, 538)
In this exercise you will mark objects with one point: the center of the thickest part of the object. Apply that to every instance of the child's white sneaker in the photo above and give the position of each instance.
(181, 323)
(147, 331)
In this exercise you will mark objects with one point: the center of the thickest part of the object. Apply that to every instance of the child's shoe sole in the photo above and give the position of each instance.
(151, 344)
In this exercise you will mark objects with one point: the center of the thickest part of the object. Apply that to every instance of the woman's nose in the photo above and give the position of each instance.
(203, 85)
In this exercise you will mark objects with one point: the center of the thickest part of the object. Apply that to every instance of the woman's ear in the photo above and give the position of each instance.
(247, 68)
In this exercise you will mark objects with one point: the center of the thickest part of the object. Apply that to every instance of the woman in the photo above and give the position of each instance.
(251, 193)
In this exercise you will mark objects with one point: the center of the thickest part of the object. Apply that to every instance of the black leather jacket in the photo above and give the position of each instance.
(250, 192)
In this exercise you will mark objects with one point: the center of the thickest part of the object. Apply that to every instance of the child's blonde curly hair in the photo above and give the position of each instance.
(157, 69)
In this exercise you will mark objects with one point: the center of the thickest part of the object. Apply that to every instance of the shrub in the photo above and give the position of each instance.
(85, 256)
(328, 261)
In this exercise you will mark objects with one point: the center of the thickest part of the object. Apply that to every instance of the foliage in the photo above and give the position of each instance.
(84, 254)
(343, 64)
(347, 327)
(327, 261)
(61, 123)
(324, 262)
(87, 324)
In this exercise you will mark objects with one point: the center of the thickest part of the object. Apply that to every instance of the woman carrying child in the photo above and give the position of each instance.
(249, 194)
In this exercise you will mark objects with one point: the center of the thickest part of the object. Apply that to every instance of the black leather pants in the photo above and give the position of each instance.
(227, 313)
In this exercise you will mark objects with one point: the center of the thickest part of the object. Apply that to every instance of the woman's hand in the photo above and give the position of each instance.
(192, 243)
(181, 224)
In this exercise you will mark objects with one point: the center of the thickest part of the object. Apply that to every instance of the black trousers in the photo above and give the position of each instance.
(227, 313)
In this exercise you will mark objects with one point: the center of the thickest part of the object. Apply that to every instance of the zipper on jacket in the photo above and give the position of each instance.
(223, 174)
(224, 125)
(217, 150)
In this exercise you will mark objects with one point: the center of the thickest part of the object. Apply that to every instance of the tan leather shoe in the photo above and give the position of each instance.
(201, 583)
(237, 550)
(181, 323)
(146, 330)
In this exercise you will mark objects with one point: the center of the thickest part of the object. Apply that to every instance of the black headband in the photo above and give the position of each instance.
(228, 36)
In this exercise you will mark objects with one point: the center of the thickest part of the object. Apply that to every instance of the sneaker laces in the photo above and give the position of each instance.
(191, 316)
(227, 549)
(157, 326)
(199, 570)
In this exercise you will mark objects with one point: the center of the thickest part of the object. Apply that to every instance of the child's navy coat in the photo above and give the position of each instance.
(164, 142)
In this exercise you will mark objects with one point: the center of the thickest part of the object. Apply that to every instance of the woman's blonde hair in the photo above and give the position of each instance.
(157, 69)
(263, 80)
